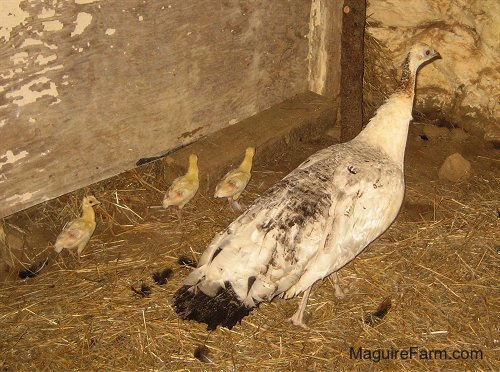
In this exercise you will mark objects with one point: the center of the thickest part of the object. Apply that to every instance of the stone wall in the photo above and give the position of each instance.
(462, 87)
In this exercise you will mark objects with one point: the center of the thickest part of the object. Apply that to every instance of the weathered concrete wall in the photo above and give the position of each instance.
(463, 86)
(88, 87)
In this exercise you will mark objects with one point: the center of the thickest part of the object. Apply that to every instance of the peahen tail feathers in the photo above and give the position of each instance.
(224, 309)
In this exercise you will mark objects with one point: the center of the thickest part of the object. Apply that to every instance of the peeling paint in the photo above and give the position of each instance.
(20, 198)
(10, 158)
(51, 68)
(7, 75)
(30, 41)
(47, 13)
(82, 21)
(51, 46)
(110, 31)
(18, 58)
(53, 25)
(27, 95)
(41, 60)
(141, 18)
(12, 16)
(81, 2)
(3, 122)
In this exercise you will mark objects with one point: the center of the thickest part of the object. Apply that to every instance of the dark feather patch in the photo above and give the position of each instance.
(382, 310)
(251, 280)
(202, 353)
(224, 309)
(162, 277)
(34, 269)
(217, 251)
(142, 289)
(183, 260)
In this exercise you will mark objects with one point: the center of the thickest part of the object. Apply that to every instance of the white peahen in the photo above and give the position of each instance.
(311, 223)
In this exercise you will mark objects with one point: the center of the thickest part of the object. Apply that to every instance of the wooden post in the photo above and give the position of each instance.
(351, 64)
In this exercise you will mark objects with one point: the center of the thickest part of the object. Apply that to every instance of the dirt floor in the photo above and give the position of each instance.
(438, 264)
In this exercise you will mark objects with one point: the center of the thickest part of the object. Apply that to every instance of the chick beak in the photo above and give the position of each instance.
(438, 56)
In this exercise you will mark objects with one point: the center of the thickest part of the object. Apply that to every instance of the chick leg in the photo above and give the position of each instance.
(74, 255)
(339, 293)
(80, 249)
(179, 214)
(238, 206)
(297, 318)
(230, 202)
(235, 205)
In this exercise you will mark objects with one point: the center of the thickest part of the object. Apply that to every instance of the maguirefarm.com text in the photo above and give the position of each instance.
(414, 352)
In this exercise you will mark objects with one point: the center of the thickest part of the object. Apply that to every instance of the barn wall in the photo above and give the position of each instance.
(325, 30)
(463, 86)
(88, 87)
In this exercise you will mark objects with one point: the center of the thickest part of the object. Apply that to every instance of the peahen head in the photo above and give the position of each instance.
(419, 54)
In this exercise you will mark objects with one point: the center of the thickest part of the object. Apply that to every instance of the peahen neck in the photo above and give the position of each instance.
(388, 129)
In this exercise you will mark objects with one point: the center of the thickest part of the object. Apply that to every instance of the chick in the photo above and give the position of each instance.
(235, 181)
(77, 233)
(183, 188)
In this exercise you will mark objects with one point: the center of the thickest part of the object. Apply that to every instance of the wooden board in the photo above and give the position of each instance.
(325, 30)
(89, 87)
(271, 132)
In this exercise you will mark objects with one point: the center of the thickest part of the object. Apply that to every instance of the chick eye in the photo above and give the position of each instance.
(427, 52)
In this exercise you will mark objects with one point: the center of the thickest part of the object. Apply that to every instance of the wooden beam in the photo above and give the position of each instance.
(351, 64)
(305, 116)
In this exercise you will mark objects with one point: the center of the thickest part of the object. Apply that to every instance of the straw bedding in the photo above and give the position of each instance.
(438, 264)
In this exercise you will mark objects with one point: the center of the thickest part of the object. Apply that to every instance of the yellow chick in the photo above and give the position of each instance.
(235, 181)
(77, 233)
(184, 188)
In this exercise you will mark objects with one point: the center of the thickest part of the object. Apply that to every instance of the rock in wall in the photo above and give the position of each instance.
(462, 87)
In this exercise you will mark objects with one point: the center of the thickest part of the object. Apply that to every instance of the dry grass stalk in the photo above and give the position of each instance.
(438, 263)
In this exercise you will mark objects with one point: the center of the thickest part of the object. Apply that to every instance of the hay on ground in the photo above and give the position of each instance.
(438, 263)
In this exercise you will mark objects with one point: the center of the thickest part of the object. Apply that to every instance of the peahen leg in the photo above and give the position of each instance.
(298, 318)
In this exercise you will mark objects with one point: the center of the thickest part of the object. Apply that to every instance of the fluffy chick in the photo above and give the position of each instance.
(235, 181)
(183, 188)
(77, 233)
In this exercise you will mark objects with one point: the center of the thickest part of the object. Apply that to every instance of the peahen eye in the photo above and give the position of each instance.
(427, 52)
